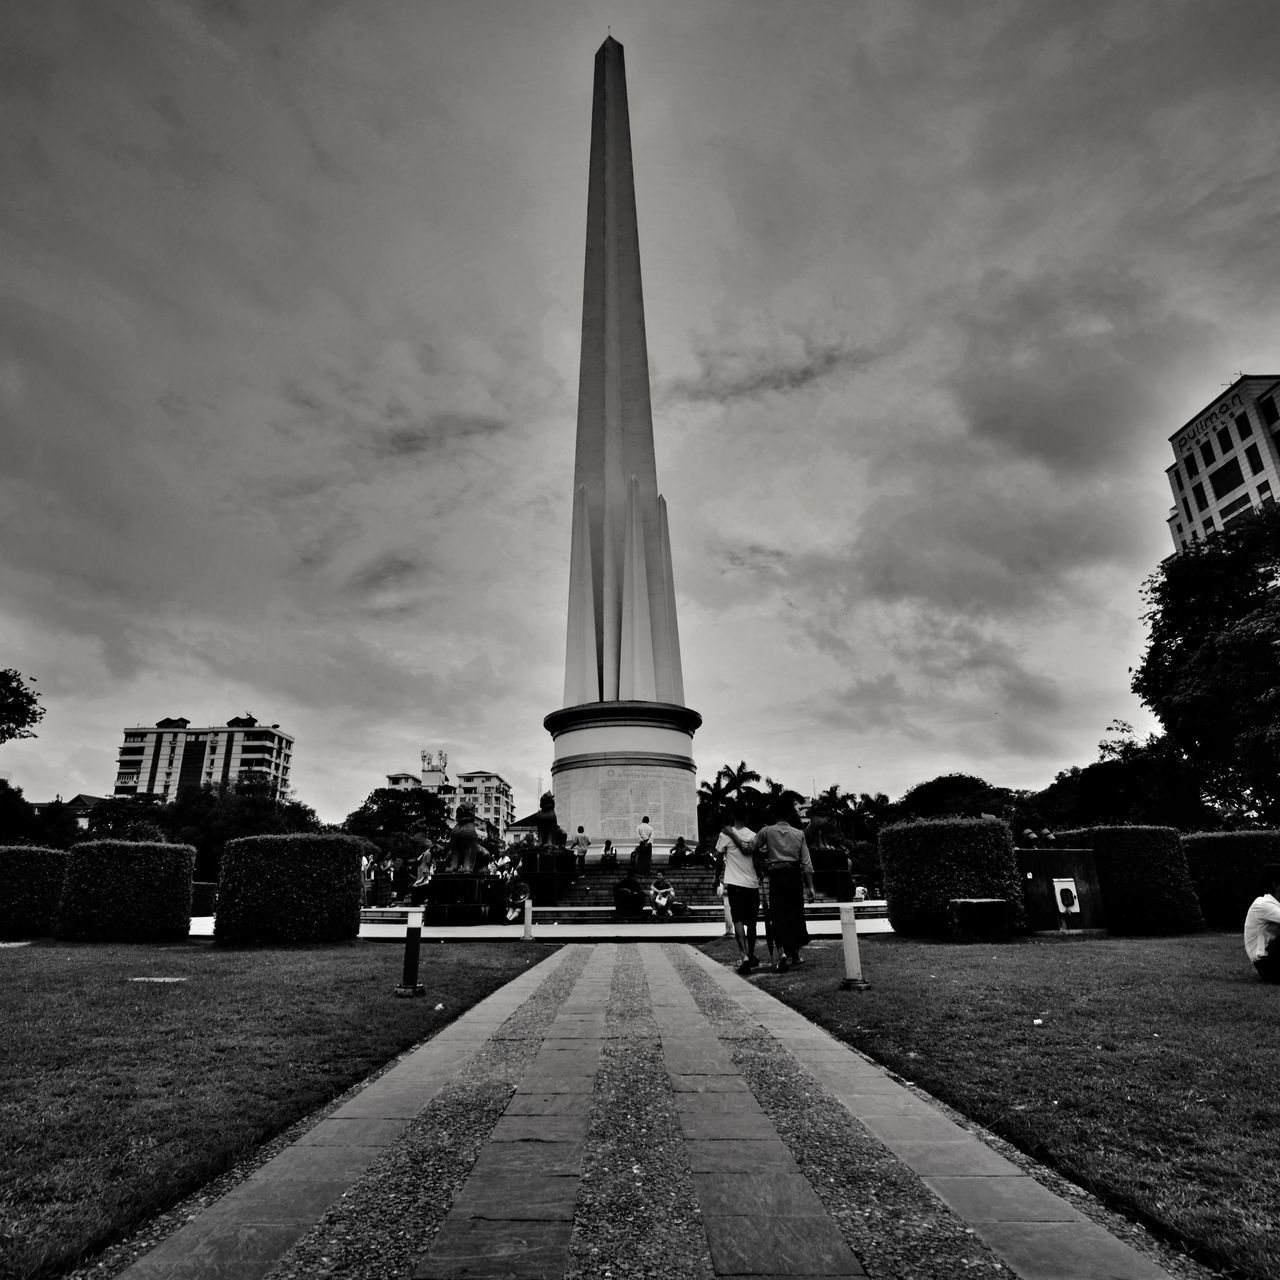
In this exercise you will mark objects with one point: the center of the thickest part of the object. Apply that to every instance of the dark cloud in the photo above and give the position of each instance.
(731, 369)
(402, 442)
(1060, 365)
(388, 570)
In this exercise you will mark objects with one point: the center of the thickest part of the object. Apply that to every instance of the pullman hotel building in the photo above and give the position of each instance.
(1227, 460)
(158, 761)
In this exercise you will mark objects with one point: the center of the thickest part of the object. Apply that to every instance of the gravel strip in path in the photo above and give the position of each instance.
(888, 1217)
(637, 1211)
(385, 1222)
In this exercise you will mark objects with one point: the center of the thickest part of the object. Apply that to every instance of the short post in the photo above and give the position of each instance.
(728, 918)
(409, 984)
(528, 918)
(853, 978)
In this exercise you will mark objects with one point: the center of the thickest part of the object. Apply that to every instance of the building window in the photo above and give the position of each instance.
(1226, 478)
(1186, 506)
(1244, 426)
(1177, 476)
(1197, 492)
(1208, 525)
(1270, 415)
(1264, 486)
(1193, 467)
(1207, 453)
(1255, 458)
(1178, 529)
(1234, 505)
(1224, 440)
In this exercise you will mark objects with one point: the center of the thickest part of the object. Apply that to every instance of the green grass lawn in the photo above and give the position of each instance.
(117, 1097)
(1151, 1079)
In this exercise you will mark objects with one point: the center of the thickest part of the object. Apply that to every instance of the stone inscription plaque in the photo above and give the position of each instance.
(610, 801)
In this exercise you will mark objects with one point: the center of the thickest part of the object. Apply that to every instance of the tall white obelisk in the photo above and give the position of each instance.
(624, 738)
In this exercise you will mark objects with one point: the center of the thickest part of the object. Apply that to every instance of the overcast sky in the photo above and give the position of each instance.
(290, 296)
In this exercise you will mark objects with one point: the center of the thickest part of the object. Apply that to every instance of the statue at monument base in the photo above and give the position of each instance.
(463, 881)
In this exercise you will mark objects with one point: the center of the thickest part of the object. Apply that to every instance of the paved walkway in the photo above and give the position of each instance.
(765, 1207)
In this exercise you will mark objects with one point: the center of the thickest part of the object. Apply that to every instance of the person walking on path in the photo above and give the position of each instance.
(580, 843)
(741, 886)
(790, 871)
(1262, 927)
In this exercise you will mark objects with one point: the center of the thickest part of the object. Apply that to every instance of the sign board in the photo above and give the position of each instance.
(1064, 890)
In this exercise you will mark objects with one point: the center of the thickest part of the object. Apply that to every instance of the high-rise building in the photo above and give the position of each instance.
(623, 739)
(1227, 460)
(488, 793)
(161, 760)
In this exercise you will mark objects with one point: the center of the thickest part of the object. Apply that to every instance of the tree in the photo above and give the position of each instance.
(1211, 670)
(208, 816)
(1147, 783)
(58, 826)
(959, 795)
(390, 815)
(736, 779)
(129, 818)
(20, 707)
(19, 823)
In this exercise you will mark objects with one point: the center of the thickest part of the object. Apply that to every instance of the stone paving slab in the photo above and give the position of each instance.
(519, 1197)
(742, 1246)
(496, 1250)
(1008, 1199)
(783, 1194)
(1067, 1251)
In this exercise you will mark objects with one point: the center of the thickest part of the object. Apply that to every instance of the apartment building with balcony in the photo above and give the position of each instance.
(1226, 460)
(160, 759)
(488, 793)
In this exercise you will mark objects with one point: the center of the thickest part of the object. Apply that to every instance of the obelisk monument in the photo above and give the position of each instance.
(623, 738)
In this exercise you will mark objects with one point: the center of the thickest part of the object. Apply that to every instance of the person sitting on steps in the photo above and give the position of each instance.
(662, 896)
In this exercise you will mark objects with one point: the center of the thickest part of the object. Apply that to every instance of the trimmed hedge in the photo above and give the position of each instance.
(1073, 838)
(30, 886)
(127, 891)
(289, 888)
(929, 862)
(1146, 887)
(1226, 869)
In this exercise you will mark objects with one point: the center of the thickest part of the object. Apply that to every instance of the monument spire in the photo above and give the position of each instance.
(614, 466)
(624, 736)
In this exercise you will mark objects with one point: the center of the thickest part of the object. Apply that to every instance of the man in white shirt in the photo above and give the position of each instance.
(741, 887)
(642, 855)
(1262, 928)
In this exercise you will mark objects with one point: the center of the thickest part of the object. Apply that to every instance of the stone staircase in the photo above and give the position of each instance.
(589, 898)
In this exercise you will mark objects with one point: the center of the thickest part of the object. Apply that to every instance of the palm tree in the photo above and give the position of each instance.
(736, 779)
(870, 813)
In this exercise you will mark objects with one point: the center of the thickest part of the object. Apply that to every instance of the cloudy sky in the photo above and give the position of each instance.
(290, 298)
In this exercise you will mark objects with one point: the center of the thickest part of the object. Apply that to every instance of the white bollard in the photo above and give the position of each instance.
(728, 918)
(528, 919)
(852, 960)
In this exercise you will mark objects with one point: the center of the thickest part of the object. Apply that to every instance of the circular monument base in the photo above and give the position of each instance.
(616, 762)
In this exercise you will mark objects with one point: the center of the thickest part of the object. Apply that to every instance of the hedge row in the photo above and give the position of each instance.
(1146, 887)
(929, 862)
(289, 888)
(30, 885)
(127, 891)
(1226, 869)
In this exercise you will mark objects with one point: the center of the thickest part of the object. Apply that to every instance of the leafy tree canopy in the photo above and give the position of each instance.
(951, 795)
(20, 707)
(1211, 670)
(390, 815)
